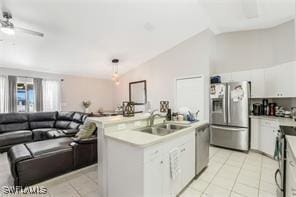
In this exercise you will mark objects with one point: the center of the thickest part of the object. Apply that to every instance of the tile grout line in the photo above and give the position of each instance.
(223, 164)
(238, 175)
(215, 173)
(261, 167)
(74, 189)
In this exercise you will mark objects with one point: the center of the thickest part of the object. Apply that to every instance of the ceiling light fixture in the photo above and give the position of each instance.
(115, 74)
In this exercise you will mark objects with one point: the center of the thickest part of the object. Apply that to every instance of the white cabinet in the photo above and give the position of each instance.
(154, 171)
(187, 162)
(257, 83)
(267, 137)
(279, 81)
(290, 174)
(273, 82)
(241, 76)
(255, 131)
(263, 135)
(225, 77)
(145, 172)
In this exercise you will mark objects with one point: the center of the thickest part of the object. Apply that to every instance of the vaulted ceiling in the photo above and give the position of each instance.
(82, 36)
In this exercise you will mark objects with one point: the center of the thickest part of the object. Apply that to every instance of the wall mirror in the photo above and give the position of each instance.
(138, 92)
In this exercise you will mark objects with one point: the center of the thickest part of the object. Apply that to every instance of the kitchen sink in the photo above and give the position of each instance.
(171, 126)
(162, 129)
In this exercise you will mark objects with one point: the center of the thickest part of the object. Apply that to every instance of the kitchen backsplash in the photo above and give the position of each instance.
(287, 103)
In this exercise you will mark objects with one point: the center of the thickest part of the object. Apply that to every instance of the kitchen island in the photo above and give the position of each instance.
(136, 163)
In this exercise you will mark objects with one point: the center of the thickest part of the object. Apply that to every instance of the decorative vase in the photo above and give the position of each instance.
(86, 110)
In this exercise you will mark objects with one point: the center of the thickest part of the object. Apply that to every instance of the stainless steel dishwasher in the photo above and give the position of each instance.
(202, 148)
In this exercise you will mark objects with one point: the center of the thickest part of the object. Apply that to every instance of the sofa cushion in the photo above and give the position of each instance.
(70, 131)
(15, 137)
(74, 125)
(64, 119)
(6, 118)
(49, 146)
(62, 124)
(65, 116)
(13, 122)
(41, 134)
(42, 120)
(78, 117)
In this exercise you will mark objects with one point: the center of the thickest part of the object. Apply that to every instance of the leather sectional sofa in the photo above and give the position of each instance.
(41, 145)
(16, 128)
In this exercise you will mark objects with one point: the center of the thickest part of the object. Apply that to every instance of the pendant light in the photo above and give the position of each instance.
(115, 74)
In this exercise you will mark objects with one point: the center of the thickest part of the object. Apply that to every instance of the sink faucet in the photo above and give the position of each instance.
(152, 117)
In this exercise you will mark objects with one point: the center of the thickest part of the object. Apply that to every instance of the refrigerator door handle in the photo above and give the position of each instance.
(228, 107)
(227, 128)
(224, 110)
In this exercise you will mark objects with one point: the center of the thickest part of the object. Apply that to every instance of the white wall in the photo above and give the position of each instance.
(246, 50)
(191, 57)
(75, 89)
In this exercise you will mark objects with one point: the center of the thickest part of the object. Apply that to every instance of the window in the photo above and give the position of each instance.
(25, 95)
(51, 95)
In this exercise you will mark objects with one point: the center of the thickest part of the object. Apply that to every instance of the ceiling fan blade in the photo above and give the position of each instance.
(35, 33)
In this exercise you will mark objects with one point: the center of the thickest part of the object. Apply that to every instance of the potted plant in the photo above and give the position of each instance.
(86, 105)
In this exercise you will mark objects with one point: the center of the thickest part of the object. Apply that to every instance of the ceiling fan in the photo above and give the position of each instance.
(9, 28)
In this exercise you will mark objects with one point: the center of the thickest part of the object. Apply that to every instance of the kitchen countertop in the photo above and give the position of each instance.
(107, 120)
(142, 140)
(292, 143)
(282, 121)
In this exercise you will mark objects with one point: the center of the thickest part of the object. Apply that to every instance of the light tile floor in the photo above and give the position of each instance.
(230, 173)
(235, 174)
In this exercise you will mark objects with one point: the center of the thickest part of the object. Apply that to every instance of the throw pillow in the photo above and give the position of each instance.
(86, 131)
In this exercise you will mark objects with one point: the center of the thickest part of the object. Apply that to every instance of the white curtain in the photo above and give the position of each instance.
(3, 94)
(51, 95)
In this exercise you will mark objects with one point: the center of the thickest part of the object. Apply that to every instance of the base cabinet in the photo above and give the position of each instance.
(263, 135)
(146, 172)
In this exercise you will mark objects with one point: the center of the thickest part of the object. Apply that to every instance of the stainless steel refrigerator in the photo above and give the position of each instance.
(229, 115)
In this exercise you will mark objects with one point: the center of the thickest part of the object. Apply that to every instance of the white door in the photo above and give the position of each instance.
(190, 93)
(153, 180)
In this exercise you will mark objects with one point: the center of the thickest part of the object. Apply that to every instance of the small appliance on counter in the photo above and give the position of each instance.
(257, 109)
(265, 107)
(287, 114)
(293, 113)
(272, 108)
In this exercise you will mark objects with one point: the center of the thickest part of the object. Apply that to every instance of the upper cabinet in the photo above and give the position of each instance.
(274, 82)
(280, 80)
(225, 77)
(241, 76)
(257, 83)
